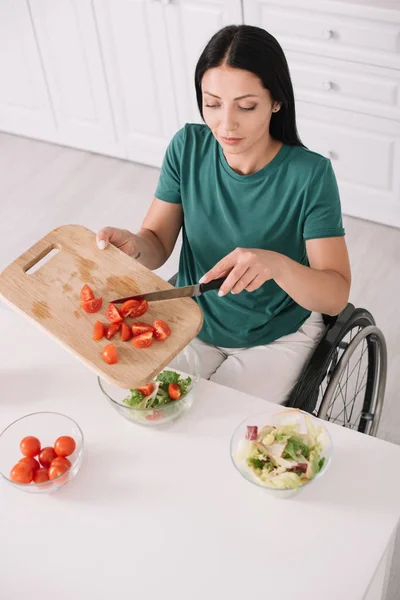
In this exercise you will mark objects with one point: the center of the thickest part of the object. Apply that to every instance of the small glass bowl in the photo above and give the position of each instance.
(47, 427)
(282, 417)
(186, 363)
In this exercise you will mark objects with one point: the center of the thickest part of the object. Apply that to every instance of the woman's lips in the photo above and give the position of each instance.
(231, 140)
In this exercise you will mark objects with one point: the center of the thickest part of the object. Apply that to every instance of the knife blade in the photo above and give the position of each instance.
(187, 291)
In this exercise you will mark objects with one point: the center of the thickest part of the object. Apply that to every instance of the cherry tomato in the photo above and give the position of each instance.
(144, 340)
(41, 475)
(30, 446)
(126, 332)
(109, 354)
(62, 461)
(64, 445)
(31, 462)
(46, 456)
(57, 469)
(162, 330)
(86, 294)
(113, 314)
(141, 327)
(174, 391)
(21, 473)
(112, 330)
(99, 330)
(146, 390)
(92, 306)
(134, 308)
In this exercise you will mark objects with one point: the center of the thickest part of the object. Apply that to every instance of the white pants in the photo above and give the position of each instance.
(269, 371)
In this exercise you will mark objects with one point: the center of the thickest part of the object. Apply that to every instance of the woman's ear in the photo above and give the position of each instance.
(276, 107)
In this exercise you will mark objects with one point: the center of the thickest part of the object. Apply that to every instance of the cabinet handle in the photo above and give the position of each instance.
(327, 85)
(327, 34)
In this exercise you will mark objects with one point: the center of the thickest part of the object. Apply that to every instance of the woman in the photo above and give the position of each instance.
(255, 206)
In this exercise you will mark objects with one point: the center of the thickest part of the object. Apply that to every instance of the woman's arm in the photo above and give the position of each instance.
(323, 287)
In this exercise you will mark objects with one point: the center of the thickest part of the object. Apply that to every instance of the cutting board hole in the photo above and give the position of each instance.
(42, 260)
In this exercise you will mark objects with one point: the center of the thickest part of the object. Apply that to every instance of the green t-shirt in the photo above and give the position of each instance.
(292, 199)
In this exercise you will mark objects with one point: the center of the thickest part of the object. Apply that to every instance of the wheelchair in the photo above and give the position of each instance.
(344, 379)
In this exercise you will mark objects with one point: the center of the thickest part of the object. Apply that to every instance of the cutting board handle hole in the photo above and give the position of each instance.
(44, 257)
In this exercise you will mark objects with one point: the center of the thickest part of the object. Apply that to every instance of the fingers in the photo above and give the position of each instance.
(234, 276)
(245, 280)
(220, 269)
(104, 236)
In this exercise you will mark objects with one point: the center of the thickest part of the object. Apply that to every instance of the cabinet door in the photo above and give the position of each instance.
(190, 25)
(136, 57)
(69, 46)
(365, 154)
(24, 101)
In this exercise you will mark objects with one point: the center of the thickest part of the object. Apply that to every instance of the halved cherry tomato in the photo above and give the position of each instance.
(112, 330)
(64, 445)
(41, 475)
(144, 340)
(109, 354)
(86, 294)
(134, 308)
(92, 306)
(141, 327)
(146, 390)
(99, 330)
(21, 473)
(46, 456)
(113, 314)
(30, 446)
(126, 332)
(31, 462)
(57, 469)
(162, 330)
(174, 391)
(157, 414)
(62, 461)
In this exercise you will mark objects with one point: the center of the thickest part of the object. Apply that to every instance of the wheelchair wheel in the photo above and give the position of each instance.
(352, 391)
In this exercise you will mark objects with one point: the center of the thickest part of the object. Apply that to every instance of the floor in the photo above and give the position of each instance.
(43, 186)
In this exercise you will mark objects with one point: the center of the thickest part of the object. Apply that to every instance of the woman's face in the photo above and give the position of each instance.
(237, 108)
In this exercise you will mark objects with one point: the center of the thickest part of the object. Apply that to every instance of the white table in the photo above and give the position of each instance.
(163, 514)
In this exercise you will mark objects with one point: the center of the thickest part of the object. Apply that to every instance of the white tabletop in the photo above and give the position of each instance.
(160, 514)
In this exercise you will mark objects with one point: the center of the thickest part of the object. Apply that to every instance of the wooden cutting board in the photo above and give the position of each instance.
(50, 296)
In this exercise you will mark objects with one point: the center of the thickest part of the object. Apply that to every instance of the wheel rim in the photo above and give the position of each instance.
(353, 391)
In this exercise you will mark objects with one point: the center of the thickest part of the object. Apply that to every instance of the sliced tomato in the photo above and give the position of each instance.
(161, 330)
(99, 330)
(113, 314)
(134, 308)
(126, 332)
(144, 340)
(109, 354)
(141, 327)
(146, 390)
(86, 294)
(92, 306)
(112, 330)
(155, 416)
(174, 391)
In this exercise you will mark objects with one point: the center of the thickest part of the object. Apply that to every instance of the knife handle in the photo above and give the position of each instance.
(215, 284)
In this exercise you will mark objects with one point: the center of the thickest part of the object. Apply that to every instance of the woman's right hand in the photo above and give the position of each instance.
(121, 238)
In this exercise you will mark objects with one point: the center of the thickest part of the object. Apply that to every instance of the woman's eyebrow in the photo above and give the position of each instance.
(238, 98)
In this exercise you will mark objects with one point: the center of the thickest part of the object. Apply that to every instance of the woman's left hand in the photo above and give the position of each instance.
(245, 268)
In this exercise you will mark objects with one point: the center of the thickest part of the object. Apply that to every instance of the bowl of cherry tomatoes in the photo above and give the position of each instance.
(41, 452)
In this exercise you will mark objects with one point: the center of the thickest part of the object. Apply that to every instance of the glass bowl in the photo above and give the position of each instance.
(47, 427)
(282, 417)
(187, 364)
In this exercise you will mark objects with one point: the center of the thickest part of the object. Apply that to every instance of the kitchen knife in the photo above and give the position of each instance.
(181, 292)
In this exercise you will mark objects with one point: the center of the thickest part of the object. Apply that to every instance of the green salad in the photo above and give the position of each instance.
(281, 457)
(167, 387)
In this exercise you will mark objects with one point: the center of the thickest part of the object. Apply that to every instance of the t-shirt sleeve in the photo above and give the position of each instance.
(169, 183)
(323, 213)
